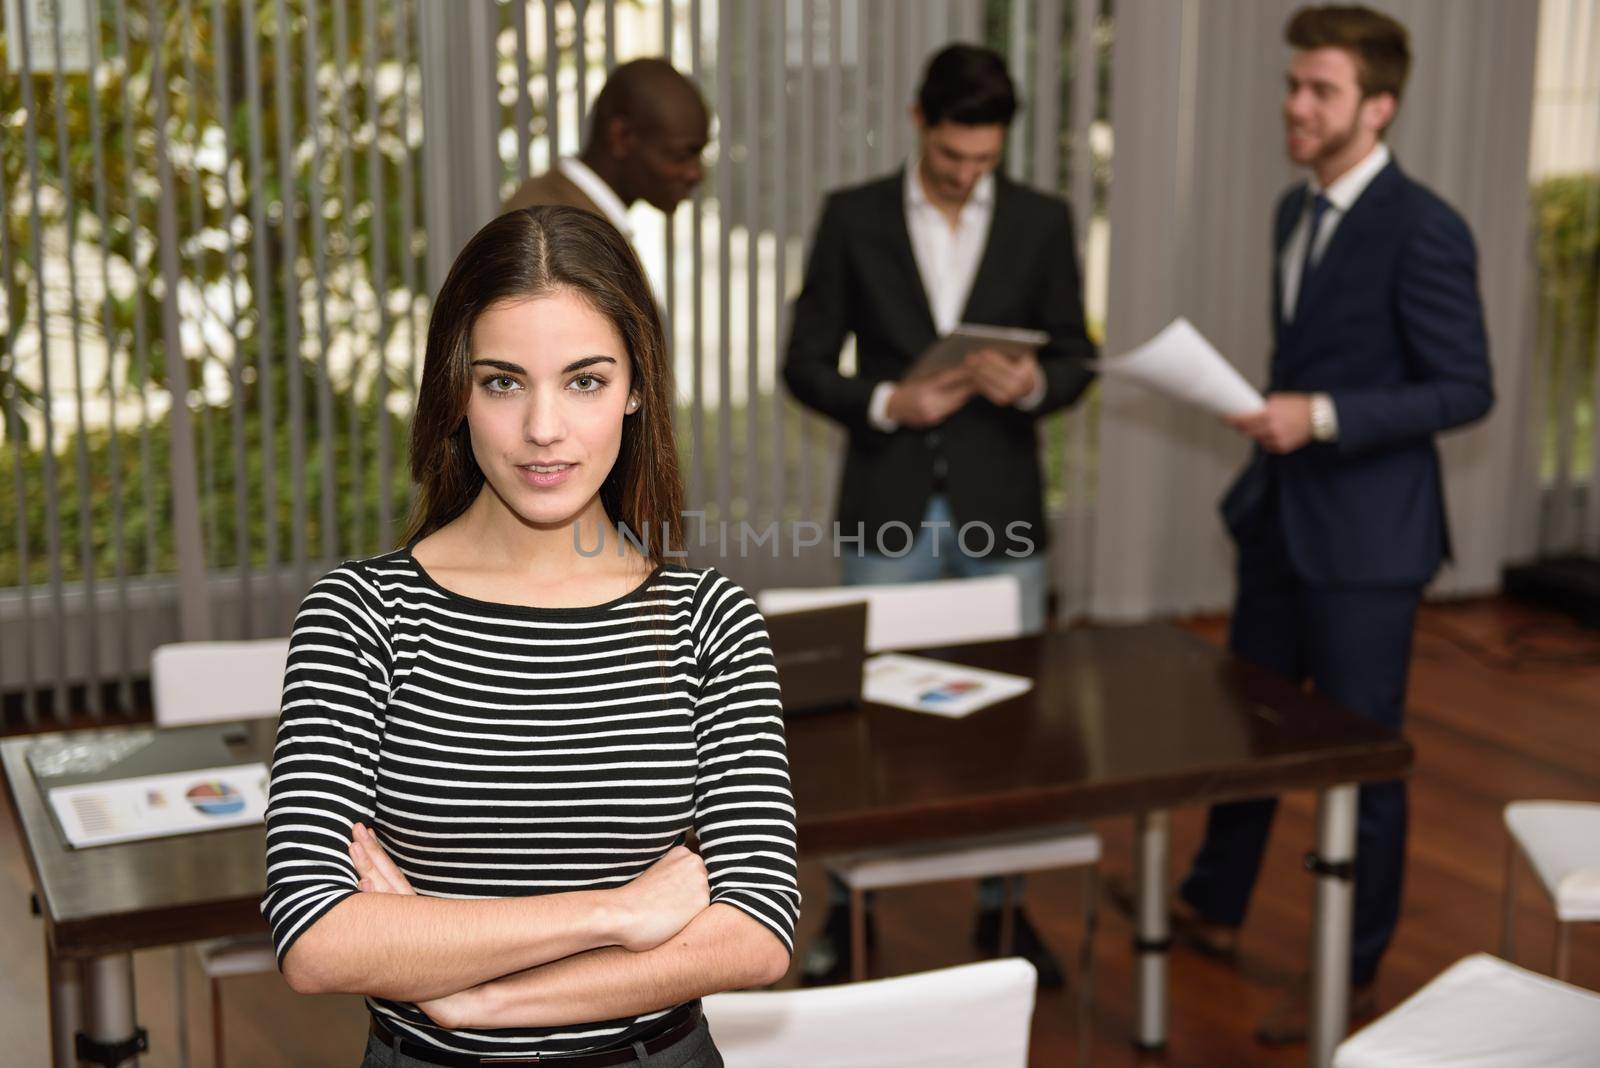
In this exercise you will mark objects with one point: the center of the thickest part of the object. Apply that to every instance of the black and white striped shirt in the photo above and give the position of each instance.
(501, 751)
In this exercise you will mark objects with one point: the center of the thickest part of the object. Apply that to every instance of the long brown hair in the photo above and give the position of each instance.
(531, 253)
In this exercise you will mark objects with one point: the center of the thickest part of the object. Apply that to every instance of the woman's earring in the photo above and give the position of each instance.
(633, 405)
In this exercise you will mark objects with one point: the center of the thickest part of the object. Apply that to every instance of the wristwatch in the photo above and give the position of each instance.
(1324, 418)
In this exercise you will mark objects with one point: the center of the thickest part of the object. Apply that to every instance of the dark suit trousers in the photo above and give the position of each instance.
(1354, 645)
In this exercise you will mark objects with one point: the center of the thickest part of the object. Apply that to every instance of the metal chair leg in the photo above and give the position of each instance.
(217, 1043)
(1563, 949)
(180, 994)
(858, 935)
(1508, 921)
(1091, 901)
(1010, 901)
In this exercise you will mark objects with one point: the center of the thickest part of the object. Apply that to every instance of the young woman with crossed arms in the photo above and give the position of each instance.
(494, 741)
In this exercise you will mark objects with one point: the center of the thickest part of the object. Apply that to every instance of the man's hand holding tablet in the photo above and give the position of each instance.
(953, 349)
(1003, 378)
(995, 362)
(923, 402)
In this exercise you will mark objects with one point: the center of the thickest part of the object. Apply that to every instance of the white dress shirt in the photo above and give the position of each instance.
(595, 188)
(947, 257)
(947, 263)
(1342, 194)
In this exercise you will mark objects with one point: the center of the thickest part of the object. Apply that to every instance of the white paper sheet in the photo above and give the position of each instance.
(935, 687)
(1180, 363)
(154, 806)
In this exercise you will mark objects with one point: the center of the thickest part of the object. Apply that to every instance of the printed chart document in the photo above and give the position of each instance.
(155, 806)
(1180, 363)
(933, 686)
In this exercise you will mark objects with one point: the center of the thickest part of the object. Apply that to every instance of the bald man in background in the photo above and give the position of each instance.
(647, 131)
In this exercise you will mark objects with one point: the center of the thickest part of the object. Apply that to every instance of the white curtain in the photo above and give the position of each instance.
(1198, 166)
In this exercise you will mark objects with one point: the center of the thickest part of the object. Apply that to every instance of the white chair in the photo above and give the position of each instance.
(212, 682)
(1482, 1012)
(950, 612)
(1006, 855)
(1561, 840)
(910, 615)
(951, 1018)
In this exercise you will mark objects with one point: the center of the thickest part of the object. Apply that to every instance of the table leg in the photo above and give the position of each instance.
(1152, 936)
(66, 1007)
(1331, 930)
(108, 1006)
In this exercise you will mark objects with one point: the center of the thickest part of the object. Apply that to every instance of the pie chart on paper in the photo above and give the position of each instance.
(215, 798)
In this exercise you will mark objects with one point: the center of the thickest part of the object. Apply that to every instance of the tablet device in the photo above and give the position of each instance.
(951, 349)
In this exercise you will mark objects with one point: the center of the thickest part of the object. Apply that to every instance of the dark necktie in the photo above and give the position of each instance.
(1319, 207)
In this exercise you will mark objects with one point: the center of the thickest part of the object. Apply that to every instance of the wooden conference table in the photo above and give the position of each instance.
(1122, 721)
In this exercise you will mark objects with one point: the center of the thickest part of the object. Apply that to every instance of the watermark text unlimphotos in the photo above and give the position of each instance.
(894, 539)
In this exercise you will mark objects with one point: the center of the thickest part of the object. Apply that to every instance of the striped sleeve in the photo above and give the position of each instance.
(324, 766)
(744, 810)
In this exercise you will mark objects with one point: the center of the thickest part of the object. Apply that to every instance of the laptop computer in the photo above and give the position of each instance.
(820, 652)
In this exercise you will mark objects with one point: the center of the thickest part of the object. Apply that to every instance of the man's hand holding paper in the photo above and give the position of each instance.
(1282, 425)
(1180, 363)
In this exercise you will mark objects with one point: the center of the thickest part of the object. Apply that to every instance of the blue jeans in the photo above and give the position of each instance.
(936, 554)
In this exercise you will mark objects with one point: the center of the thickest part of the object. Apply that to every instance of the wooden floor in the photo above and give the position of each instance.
(1504, 704)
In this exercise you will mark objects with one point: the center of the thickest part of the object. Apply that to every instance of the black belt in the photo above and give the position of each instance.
(666, 1032)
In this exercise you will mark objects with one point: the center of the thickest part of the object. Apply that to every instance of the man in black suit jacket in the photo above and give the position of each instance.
(1339, 517)
(942, 477)
(968, 435)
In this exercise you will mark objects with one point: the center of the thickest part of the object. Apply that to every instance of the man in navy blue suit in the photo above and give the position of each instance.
(1339, 518)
